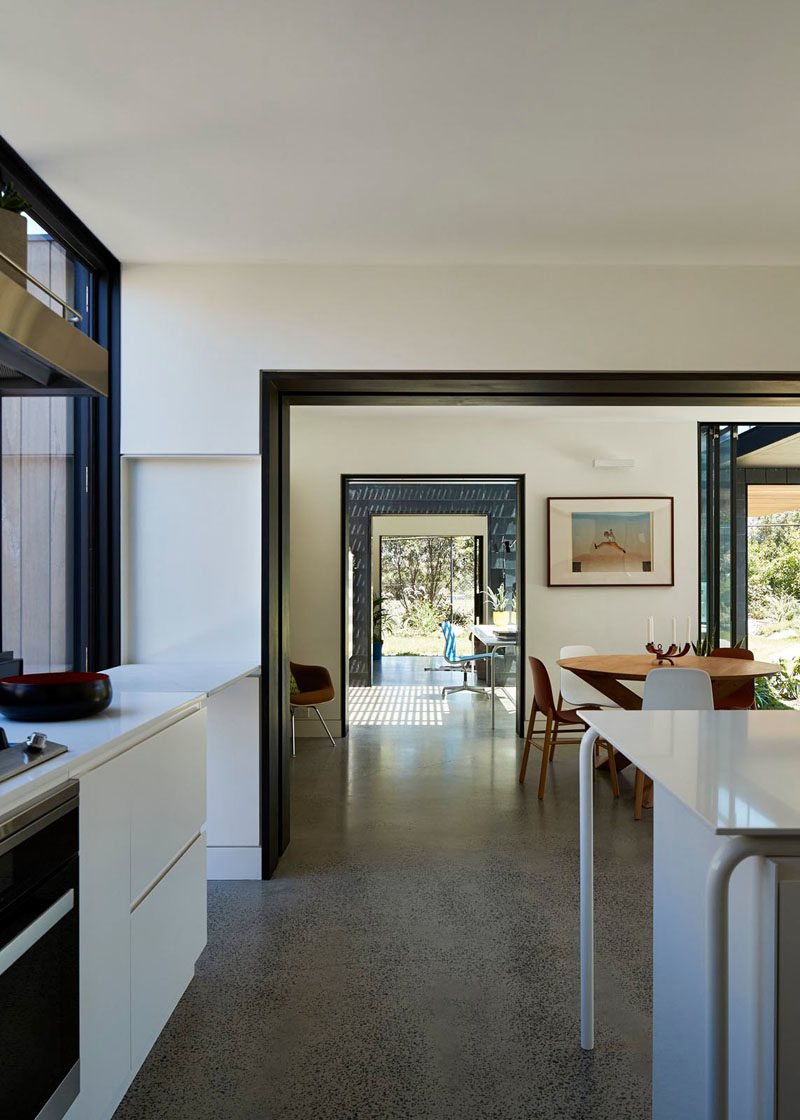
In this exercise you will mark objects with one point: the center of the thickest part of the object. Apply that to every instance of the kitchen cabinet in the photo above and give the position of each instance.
(167, 798)
(233, 816)
(168, 933)
(142, 902)
(105, 940)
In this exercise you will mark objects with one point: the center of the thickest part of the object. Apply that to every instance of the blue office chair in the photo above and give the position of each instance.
(465, 662)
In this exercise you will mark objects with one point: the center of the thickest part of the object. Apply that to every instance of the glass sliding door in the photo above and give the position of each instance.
(722, 620)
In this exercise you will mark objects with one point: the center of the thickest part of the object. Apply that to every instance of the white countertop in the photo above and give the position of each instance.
(131, 717)
(738, 771)
(146, 698)
(207, 677)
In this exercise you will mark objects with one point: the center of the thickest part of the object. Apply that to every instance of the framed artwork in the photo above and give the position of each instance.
(610, 542)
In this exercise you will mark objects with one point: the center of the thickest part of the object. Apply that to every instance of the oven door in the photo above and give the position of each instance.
(39, 1025)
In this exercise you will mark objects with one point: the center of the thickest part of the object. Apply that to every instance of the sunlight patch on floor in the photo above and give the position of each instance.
(410, 705)
(414, 705)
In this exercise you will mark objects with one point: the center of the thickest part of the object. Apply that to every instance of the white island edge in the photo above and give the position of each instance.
(725, 890)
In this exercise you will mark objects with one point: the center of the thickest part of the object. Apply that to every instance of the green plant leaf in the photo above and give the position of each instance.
(10, 200)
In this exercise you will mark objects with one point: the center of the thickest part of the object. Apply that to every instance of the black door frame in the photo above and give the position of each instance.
(282, 389)
(511, 477)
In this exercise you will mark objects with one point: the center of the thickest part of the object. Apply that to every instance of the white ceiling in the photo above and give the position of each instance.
(782, 453)
(415, 130)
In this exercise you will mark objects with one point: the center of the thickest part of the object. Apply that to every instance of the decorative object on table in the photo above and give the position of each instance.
(610, 542)
(54, 696)
(673, 650)
(499, 602)
(13, 233)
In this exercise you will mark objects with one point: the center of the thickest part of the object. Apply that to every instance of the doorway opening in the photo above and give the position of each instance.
(422, 581)
(419, 552)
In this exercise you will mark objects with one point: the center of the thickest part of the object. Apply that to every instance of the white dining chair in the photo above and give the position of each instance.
(672, 690)
(574, 691)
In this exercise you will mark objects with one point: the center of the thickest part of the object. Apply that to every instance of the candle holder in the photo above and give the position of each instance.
(669, 654)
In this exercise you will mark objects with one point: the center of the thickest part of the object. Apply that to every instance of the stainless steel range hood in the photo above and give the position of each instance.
(41, 353)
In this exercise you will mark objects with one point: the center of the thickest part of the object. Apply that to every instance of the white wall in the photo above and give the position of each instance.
(195, 337)
(556, 458)
(191, 568)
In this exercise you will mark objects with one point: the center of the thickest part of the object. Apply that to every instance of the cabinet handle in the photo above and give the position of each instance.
(24, 941)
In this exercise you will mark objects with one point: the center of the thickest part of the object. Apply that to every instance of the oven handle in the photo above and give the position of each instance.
(24, 941)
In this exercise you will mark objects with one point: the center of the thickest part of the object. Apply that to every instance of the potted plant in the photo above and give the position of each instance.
(381, 624)
(499, 601)
(13, 233)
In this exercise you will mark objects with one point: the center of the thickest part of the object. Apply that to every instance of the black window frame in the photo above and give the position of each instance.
(96, 602)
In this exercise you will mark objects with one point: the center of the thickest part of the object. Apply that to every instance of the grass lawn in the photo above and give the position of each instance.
(422, 645)
(770, 642)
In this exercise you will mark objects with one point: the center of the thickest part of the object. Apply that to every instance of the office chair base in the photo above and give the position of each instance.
(465, 688)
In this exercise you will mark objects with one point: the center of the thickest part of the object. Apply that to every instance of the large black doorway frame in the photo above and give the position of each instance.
(518, 481)
(282, 389)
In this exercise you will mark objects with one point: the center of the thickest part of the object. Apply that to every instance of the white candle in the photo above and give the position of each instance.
(688, 630)
(674, 630)
(650, 629)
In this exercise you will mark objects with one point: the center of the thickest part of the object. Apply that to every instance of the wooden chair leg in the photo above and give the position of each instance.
(553, 739)
(545, 755)
(638, 794)
(528, 738)
(556, 726)
(612, 769)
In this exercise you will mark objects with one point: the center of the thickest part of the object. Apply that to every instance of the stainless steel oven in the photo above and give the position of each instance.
(39, 1028)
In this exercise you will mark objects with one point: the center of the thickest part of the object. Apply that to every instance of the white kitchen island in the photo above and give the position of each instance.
(726, 901)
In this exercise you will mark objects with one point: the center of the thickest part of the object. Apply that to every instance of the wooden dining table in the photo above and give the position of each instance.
(606, 672)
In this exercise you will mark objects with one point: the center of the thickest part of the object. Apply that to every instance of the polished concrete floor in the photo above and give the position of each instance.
(416, 954)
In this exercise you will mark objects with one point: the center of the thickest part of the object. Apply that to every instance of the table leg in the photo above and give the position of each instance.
(491, 662)
(727, 858)
(587, 887)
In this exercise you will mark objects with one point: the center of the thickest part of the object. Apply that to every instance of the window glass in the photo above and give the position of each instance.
(36, 487)
(37, 478)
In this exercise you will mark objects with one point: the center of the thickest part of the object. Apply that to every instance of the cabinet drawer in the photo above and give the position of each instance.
(168, 798)
(168, 933)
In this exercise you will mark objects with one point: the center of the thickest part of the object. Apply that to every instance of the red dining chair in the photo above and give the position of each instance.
(745, 696)
(543, 702)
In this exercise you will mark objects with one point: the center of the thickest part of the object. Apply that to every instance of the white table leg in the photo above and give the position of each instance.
(585, 776)
(491, 663)
(728, 856)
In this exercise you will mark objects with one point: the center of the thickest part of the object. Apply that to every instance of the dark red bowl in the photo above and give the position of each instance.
(52, 696)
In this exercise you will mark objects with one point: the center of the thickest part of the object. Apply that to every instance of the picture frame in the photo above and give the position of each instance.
(610, 542)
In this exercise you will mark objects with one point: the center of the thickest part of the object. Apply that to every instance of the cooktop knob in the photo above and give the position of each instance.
(36, 741)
